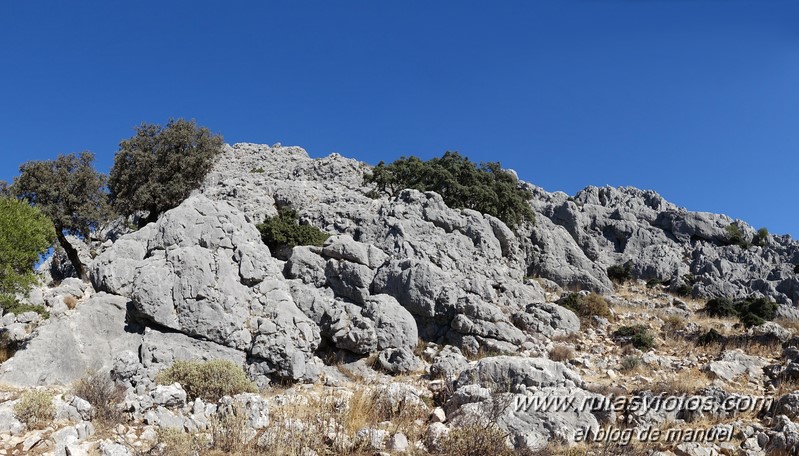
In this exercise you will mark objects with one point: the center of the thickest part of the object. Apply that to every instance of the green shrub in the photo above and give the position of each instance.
(9, 304)
(710, 337)
(25, 235)
(620, 273)
(283, 232)
(258, 170)
(486, 187)
(35, 409)
(721, 307)
(652, 283)
(208, 380)
(755, 311)
(637, 335)
(586, 306)
(736, 237)
(760, 237)
(751, 311)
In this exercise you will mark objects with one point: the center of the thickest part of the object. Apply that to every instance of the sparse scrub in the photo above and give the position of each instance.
(175, 442)
(586, 306)
(35, 408)
(636, 335)
(561, 353)
(620, 273)
(629, 363)
(103, 394)
(282, 232)
(209, 380)
(476, 440)
(672, 324)
(686, 286)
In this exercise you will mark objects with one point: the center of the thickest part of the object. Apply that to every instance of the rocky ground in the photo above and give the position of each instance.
(415, 329)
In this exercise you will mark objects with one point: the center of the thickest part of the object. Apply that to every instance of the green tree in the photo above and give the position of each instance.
(157, 168)
(71, 193)
(486, 187)
(760, 237)
(25, 235)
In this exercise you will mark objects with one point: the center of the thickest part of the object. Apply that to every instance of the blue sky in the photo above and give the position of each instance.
(698, 100)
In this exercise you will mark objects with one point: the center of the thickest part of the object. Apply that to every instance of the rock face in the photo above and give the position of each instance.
(577, 238)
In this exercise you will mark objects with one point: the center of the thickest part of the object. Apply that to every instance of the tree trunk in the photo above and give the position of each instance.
(73, 256)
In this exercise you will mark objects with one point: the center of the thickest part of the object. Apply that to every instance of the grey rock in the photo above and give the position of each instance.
(108, 448)
(169, 395)
(502, 372)
(734, 363)
(346, 249)
(87, 340)
(395, 327)
(449, 363)
(305, 264)
(398, 360)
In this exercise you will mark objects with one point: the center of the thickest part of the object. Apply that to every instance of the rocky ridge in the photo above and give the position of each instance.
(405, 285)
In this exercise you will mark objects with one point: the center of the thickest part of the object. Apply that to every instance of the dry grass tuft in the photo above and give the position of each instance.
(71, 302)
(561, 352)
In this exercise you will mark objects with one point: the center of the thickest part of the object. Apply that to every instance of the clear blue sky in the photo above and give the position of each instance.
(698, 100)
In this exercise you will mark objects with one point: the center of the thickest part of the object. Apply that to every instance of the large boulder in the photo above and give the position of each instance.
(67, 347)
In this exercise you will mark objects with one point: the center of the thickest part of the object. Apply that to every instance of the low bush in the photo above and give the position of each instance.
(35, 409)
(652, 283)
(620, 273)
(720, 307)
(103, 394)
(751, 311)
(760, 237)
(796, 269)
(710, 337)
(735, 236)
(209, 380)
(629, 363)
(9, 304)
(283, 232)
(586, 306)
(561, 353)
(636, 335)
(476, 440)
(672, 324)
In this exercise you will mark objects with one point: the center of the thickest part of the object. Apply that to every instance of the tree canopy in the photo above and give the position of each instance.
(157, 168)
(25, 234)
(70, 192)
(486, 187)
